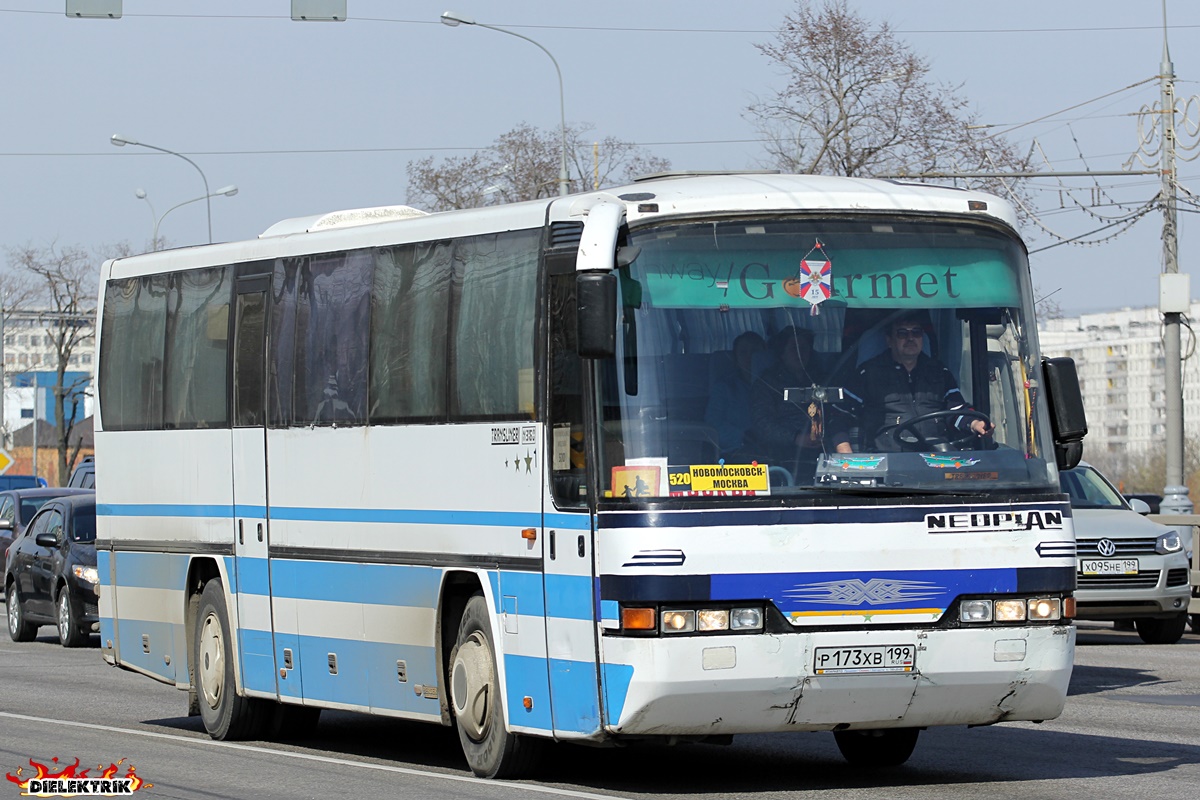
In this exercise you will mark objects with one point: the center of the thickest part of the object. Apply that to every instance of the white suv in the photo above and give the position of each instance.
(1129, 567)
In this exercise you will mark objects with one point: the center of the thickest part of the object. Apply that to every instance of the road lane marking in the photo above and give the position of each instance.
(342, 762)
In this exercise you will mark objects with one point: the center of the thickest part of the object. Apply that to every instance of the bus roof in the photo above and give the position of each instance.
(687, 194)
(664, 196)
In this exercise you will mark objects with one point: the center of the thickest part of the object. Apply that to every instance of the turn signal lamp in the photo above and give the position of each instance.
(638, 619)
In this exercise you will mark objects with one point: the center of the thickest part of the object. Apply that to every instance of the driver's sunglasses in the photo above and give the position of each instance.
(908, 333)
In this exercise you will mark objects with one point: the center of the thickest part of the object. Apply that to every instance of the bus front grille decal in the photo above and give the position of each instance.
(854, 592)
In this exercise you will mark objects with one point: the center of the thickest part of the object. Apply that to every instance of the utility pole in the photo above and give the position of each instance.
(1174, 293)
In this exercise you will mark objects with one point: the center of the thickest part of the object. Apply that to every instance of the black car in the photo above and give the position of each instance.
(50, 573)
(84, 474)
(17, 507)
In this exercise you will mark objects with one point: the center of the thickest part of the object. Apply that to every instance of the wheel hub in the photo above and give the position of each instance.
(472, 685)
(212, 661)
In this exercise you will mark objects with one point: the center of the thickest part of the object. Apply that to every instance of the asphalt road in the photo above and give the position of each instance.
(1131, 730)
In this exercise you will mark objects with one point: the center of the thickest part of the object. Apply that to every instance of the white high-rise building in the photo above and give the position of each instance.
(1119, 356)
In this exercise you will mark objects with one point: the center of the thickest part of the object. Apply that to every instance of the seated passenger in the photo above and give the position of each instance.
(789, 432)
(900, 384)
(728, 409)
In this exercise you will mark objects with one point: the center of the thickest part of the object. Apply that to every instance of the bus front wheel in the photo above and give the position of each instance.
(491, 751)
(889, 747)
(225, 714)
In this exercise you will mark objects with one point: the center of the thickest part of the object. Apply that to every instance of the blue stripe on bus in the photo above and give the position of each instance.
(526, 587)
(865, 589)
(575, 688)
(569, 597)
(515, 519)
(525, 676)
(617, 678)
(258, 661)
(346, 582)
(149, 570)
(161, 635)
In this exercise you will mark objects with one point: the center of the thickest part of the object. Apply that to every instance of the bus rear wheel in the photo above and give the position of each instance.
(226, 716)
(491, 751)
(889, 747)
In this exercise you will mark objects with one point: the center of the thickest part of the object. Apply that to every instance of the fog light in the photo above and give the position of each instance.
(1045, 608)
(712, 620)
(637, 619)
(975, 611)
(1010, 610)
(678, 621)
(746, 619)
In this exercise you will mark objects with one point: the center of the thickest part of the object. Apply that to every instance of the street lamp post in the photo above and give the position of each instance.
(454, 20)
(227, 191)
(121, 141)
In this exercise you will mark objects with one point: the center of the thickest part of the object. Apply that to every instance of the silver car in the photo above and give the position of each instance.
(1129, 567)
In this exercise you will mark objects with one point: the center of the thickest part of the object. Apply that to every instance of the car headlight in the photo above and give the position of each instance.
(1168, 543)
(87, 574)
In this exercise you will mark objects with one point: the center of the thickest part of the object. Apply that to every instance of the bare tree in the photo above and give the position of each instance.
(523, 164)
(859, 102)
(65, 302)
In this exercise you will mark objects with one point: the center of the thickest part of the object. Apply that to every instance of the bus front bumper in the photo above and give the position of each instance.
(705, 686)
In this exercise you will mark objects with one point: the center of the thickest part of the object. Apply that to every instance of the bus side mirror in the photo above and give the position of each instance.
(596, 317)
(1067, 418)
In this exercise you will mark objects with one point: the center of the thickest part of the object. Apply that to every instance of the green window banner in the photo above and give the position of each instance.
(924, 277)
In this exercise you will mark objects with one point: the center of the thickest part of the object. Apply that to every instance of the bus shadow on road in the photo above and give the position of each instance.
(811, 762)
(755, 764)
(1092, 679)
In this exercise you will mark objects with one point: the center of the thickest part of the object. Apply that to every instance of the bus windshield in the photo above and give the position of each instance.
(793, 355)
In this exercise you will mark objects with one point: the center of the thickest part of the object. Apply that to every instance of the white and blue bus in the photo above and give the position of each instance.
(462, 467)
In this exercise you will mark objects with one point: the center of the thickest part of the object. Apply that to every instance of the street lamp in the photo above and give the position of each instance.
(228, 191)
(454, 20)
(121, 141)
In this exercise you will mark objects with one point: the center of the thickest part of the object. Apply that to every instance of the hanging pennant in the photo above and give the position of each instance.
(816, 275)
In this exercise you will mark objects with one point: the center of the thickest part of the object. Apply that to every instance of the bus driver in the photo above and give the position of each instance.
(901, 384)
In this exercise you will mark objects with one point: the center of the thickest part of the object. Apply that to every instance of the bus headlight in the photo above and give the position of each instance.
(1010, 610)
(1045, 608)
(975, 611)
(678, 621)
(746, 619)
(712, 620)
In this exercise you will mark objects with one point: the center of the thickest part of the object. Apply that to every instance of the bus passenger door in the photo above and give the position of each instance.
(251, 520)
(567, 558)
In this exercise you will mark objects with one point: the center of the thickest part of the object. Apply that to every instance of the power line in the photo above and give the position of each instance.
(616, 29)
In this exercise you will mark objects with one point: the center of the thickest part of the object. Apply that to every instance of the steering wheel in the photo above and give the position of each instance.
(937, 443)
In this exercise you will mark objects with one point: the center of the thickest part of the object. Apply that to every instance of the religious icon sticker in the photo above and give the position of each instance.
(815, 276)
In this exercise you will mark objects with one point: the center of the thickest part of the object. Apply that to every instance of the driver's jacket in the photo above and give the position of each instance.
(882, 394)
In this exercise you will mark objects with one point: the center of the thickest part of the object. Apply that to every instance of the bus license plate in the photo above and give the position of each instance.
(873, 658)
(1123, 566)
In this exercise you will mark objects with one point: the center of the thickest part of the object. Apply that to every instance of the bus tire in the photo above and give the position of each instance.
(888, 747)
(1162, 631)
(226, 716)
(491, 751)
(19, 630)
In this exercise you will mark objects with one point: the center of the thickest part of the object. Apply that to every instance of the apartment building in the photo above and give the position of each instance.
(1119, 356)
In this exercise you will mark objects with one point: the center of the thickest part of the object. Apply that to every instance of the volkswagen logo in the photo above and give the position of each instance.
(1106, 547)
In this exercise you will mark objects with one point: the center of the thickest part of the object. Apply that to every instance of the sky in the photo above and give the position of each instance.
(309, 117)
